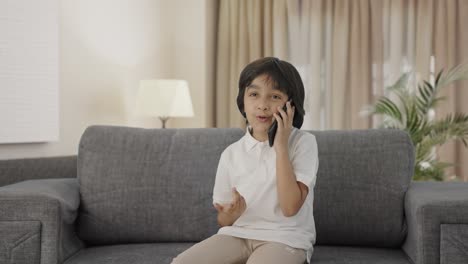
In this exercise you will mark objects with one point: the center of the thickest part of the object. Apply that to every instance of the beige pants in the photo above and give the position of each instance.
(223, 249)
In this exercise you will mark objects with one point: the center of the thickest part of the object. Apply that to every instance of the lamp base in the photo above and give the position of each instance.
(164, 120)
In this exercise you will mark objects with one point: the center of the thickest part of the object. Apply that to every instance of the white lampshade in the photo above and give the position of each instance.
(164, 98)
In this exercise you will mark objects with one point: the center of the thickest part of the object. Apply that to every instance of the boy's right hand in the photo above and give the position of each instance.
(229, 213)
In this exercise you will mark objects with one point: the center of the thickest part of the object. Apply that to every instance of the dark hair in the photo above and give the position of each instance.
(285, 78)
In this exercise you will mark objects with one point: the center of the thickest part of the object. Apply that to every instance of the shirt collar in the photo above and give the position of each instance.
(251, 142)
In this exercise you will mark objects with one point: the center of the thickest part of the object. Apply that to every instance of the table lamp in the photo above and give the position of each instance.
(164, 99)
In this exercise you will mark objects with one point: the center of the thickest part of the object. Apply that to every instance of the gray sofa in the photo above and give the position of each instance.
(143, 195)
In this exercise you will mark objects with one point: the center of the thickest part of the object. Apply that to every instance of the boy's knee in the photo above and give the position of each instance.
(182, 259)
(176, 261)
(179, 260)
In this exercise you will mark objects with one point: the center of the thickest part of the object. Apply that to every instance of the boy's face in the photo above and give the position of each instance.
(261, 100)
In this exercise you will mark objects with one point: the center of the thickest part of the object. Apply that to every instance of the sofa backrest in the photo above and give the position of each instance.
(155, 185)
(22, 169)
(149, 185)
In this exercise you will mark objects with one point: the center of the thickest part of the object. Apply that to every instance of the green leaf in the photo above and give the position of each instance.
(438, 77)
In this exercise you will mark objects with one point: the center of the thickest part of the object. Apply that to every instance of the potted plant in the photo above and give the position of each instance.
(412, 108)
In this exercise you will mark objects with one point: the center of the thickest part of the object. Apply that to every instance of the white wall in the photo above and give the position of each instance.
(107, 46)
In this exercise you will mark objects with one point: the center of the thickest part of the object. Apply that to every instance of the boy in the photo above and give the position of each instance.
(264, 194)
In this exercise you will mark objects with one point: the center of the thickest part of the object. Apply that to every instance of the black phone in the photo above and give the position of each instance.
(274, 127)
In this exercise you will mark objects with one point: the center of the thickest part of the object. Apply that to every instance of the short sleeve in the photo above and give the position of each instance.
(305, 160)
(222, 187)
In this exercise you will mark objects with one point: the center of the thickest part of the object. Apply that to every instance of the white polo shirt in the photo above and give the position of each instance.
(250, 166)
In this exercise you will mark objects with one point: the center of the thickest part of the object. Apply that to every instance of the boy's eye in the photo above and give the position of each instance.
(276, 96)
(253, 94)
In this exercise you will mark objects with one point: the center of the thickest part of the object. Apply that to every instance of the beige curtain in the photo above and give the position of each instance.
(332, 49)
(247, 30)
(450, 48)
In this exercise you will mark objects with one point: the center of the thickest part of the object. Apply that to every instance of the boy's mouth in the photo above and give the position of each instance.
(263, 119)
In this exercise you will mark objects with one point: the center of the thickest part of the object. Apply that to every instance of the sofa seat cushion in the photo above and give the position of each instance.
(163, 253)
(358, 255)
(156, 253)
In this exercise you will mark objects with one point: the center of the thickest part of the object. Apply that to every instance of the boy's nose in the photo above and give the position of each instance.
(262, 107)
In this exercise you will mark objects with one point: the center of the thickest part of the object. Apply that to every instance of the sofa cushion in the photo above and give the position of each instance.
(358, 255)
(361, 184)
(163, 253)
(157, 253)
(148, 185)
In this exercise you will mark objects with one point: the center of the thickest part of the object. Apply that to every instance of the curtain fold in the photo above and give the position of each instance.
(359, 92)
(247, 30)
(450, 42)
(332, 52)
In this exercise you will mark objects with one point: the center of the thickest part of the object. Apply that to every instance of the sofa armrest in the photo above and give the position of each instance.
(37, 221)
(437, 218)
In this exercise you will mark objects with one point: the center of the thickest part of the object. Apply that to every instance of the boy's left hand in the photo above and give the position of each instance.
(285, 123)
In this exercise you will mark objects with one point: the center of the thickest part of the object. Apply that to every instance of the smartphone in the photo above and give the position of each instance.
(274, 127)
